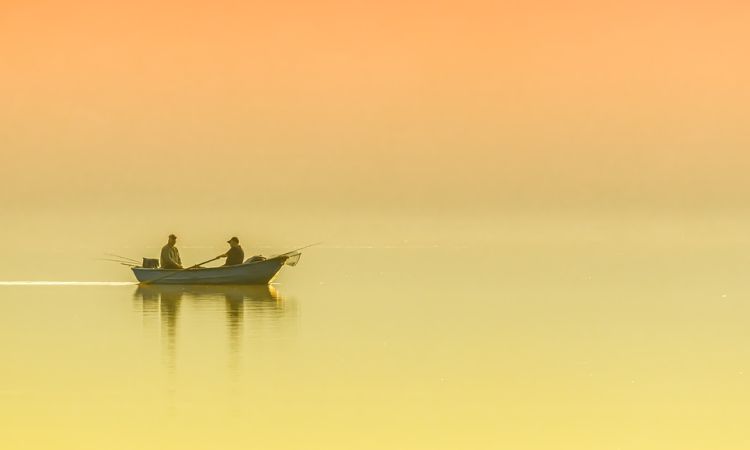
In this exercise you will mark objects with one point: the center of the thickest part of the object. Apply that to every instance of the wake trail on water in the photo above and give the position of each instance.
(66, 283)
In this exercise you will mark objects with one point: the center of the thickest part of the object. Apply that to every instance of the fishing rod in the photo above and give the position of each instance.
(122, 257)
(114, 260)
(298, 249)
(129, 264)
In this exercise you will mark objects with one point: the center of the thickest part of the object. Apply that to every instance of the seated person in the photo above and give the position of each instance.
(170, 256)
(235, 255)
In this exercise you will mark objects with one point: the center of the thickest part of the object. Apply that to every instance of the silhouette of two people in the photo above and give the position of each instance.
(170, 255)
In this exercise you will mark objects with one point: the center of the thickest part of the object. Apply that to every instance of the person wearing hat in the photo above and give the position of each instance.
(235, 255)
(170, 256)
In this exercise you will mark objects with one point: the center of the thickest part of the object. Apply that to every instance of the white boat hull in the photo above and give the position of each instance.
(259, 272)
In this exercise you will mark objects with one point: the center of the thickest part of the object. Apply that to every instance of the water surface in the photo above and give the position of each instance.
(579, 344)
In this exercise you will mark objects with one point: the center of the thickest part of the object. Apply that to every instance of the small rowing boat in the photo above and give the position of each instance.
(250, 272)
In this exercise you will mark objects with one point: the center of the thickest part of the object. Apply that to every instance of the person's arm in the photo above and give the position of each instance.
(174, 258)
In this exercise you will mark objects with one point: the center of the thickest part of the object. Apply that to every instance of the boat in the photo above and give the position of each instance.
(249, 272)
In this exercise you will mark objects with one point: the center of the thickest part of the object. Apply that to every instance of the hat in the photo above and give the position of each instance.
(172, 236)
(234, 238)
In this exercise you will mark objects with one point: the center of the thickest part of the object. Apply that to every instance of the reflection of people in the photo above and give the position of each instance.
(170, 256)
(235, 255)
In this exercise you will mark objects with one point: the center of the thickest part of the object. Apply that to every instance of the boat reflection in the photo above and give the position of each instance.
(261, 306)
(266, 295)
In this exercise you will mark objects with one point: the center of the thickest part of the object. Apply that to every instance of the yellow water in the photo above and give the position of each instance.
(589, 335)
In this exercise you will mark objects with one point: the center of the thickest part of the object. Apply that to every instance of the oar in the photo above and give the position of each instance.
(176, 272)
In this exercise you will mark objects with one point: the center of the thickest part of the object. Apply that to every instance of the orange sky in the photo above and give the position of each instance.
(379, 104)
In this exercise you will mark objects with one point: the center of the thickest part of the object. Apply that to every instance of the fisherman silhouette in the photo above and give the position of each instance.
(235, 255)
(170, 256)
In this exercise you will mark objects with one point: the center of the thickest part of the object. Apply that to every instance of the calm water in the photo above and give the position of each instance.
(579, 345)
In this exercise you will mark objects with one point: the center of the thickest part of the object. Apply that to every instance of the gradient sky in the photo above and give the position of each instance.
(396, 105)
